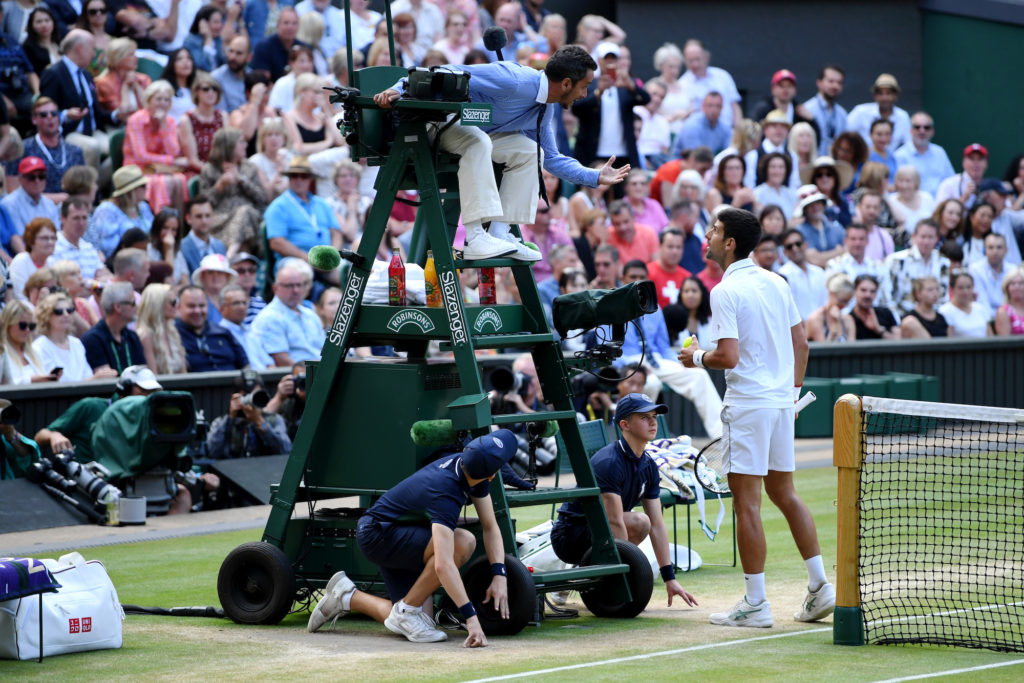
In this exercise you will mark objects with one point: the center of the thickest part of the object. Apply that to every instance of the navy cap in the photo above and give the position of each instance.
(993, 184)
(637, 403)
(484, 455)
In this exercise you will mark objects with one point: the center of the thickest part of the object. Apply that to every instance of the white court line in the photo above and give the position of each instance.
(953, 671)
(649, 655)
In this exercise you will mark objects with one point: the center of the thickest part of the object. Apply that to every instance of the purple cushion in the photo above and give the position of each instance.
(24, 576)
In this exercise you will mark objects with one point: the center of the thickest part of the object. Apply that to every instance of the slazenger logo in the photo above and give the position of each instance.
(348, 305)
(476, 115)
(453, 307)
(487, 316)
(410, 317)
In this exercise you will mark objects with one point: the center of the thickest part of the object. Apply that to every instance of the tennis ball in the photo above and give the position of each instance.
(688, 342)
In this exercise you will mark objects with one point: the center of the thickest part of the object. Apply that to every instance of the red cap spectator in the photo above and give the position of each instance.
(30, 164)
(973, 148)
(782, 75)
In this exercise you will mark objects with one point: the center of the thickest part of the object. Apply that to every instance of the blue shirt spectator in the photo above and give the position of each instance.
(211, 348)
(932, 164)
(305, 223)
(698, 131)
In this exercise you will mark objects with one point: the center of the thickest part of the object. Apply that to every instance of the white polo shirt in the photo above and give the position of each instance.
(764, 375)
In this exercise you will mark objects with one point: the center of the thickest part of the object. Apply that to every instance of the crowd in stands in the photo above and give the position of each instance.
(159, 155)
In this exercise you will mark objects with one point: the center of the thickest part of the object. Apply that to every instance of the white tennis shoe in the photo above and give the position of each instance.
(411, 624)
(483, 246)
(818, 604)
(329, 608)
(523, 252)
(745, 614)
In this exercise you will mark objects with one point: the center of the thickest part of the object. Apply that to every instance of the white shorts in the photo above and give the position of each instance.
(758, 440)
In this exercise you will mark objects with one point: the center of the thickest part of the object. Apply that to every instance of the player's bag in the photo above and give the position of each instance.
(84, 614)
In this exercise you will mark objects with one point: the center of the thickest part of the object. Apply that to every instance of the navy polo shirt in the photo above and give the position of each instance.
(439, 489)
(618, 470)
(215, 349)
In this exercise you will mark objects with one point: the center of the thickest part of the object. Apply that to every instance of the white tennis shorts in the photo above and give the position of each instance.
(758, 440)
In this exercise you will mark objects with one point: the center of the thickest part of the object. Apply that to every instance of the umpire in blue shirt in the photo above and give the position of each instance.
(627, 477)
(416, 559)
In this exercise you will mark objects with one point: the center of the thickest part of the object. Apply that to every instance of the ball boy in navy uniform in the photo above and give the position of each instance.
(626, 477)
(415, 559)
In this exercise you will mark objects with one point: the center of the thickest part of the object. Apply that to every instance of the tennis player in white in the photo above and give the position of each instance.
(763, 350)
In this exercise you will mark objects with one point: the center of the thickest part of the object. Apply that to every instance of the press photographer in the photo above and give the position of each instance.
(19, 452)
(249, 428)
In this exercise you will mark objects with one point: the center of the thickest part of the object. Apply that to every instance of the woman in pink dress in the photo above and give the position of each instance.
(151, 142)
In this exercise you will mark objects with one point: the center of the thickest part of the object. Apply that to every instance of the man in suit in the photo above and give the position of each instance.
(606, 113)
(69, 84)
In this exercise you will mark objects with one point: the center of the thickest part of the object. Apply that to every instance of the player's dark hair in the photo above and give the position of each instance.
(743, 227)
(570, 61)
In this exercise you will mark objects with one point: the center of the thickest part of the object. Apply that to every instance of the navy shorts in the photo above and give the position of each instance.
(397, 549)
(570, 541)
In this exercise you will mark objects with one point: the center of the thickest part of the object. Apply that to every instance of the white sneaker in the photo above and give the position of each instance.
(745, 614)
(411, 624)
(523, 252)
(559, 598)
(818, 604)
(329, 608)
(483, 246)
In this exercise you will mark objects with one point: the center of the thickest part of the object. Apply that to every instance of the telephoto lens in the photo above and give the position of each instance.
(257, 397)
(42, 472)
(94, 488)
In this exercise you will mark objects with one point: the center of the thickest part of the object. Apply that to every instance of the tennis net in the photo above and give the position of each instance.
(940, 536)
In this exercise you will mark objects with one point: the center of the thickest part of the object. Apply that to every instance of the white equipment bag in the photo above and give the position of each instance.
(85, 614)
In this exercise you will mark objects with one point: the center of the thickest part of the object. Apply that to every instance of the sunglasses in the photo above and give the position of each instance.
(47, 114)
(245, 271)
(35, 176)
(919, 127)
(207, 88)
(301, 176)
(127, 303)
(792, 245)
(63, 311)
(96, 11)
(22, 325)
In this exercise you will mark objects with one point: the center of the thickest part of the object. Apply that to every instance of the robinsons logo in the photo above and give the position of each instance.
(488, 316)
(410, 316)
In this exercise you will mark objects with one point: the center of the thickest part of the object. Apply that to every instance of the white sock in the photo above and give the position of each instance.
(815, 573)
(499, 229)
(405, 607)
(473, 229)
(755, 588)
(346, 601)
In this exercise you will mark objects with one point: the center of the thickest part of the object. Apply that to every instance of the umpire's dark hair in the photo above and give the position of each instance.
(743, 227)
(570, 61)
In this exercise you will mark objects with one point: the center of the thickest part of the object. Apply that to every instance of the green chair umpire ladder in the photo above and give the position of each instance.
(354, 436)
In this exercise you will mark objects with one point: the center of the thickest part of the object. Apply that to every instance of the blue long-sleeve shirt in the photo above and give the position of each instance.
(516, 92)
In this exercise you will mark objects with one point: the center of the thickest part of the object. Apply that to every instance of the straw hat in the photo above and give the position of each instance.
(843, 169)
(299, 166)
(127, 178)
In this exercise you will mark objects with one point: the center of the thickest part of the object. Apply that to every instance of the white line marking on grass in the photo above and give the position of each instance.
(649, 655)
(954, 671)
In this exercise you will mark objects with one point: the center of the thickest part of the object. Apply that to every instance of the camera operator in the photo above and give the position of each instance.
(595, 400)
(249, 429)
(72, 431)
(19, 452)
(289, 400)
(524, 395)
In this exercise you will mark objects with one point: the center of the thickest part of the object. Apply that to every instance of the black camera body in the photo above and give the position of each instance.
(439, 84)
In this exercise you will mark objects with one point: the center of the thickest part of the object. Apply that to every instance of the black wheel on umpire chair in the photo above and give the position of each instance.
(256, 584)
(522, 596)
(641, 585)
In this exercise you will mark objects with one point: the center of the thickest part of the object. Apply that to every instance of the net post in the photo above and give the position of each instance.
(847, 453)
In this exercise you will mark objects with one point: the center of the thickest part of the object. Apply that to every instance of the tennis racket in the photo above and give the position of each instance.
(710, 462)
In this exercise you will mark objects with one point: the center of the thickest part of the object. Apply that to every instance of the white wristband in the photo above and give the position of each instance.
(698, 358)
(796, 392)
